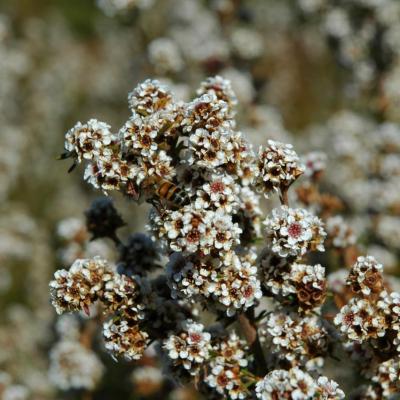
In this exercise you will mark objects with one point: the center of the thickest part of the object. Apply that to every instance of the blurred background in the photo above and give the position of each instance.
(320, 74)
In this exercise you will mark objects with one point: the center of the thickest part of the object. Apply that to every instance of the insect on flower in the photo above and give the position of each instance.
(160, 191)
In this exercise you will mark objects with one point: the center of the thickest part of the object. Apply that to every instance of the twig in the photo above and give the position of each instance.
(248, 329)
(250, 333)
(284, 198)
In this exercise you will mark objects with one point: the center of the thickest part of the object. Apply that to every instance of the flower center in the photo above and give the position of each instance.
(217, 187)
(349, 319)
(221, 237)
(193, 236)
(145, 141)
(248, 292)
(295, 230)
(222, 380)
(195, 337)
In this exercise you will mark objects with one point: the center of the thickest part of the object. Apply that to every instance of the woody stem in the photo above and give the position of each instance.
(284, 198)
(251, 335)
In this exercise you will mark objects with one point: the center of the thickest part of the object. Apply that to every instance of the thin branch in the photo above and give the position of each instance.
(248, 329)
(284, 198)
(251, 335)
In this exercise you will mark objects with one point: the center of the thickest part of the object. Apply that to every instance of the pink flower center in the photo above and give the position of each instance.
(217, 187)
(248, 292)
(295, 230)
(349, 319)
(195, 337)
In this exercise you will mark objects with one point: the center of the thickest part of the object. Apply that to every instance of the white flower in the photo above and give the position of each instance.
(293, 232)
(88, 141)
(278, 167)
(164, 54)
(72, 366)
(190, 348)
(359, 320)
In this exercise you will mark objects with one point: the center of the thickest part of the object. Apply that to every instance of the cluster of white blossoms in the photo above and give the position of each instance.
(388, 378)
(10, 390)
(298, 284)
(370, 319)
(359, 320)
(73, 364)
(197, 212)
(81, 286)
(222, 89)
(314, 164)
(90, 140)
(188, 230)
(300, 341)
(124, 338)
(279, 166)
(226, 369)
(190, 348)
(363, 35)
(233, 285)
(294, 232)
(339, 232)
(296, 384)
(369, 313)
(202, 179)
(92, 280)
(366, 276)
(220, 361)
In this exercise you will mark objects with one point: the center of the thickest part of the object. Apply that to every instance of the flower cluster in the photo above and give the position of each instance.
(299, 284)
(204, 183)
(72, 366)
(124, 338)
(361, 33)
(189, 231)
(388, 377)
(221, 88)
(81, 286)
(92, 280)
(293, 232)
(89, 141)
(190, 348)
(299, 341)
(296, 384)
(359, 320)
(232, 282)
(369, 320)
(370, 313)
(166, 144)
(339, 233)
(220, 361)
(278, 167)
(226, 373)
(366, 276)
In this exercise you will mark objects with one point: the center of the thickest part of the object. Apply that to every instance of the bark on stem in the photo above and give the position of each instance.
(251, 335)
(248, 329)
(284, 198)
